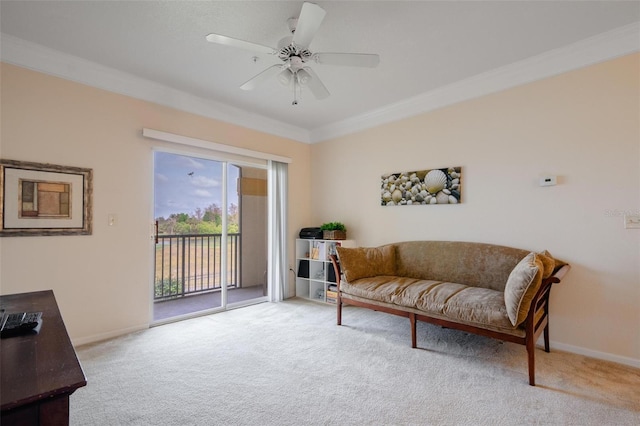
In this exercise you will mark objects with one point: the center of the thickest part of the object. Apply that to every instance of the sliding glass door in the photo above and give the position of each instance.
(211, 235)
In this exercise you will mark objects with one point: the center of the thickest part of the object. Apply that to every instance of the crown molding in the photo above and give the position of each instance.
(36, 57)
(602, 47)
(609, 45)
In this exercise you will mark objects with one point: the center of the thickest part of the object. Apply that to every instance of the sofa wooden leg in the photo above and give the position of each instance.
(531, 347)
(339, 310)
(546, 338)
(414, 339)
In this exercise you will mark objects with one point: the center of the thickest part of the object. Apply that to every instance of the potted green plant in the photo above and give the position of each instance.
(334, 231)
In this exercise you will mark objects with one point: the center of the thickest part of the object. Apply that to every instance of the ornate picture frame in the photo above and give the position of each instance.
(39, 199)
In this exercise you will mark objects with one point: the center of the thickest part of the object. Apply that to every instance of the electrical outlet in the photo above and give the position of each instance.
(632, 221)
(112, 219)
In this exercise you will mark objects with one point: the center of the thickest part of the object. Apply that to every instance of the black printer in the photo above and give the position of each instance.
(311, 233)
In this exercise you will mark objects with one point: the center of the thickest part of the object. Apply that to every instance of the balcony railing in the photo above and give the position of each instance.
(190, 264)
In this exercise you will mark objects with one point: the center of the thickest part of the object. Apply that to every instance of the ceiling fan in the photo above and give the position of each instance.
(295, 55)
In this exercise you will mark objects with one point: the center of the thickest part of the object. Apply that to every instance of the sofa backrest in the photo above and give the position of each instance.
(474, 264)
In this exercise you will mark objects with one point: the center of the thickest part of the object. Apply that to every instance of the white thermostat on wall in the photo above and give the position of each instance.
(548, 180)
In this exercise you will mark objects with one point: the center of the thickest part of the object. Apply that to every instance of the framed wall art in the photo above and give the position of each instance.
(431, 186)
(44, 199)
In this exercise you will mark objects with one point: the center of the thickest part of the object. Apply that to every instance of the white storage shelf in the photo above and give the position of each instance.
(314, 270)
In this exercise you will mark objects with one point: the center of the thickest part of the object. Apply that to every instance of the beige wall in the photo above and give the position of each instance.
(103, 282)
(583, 126)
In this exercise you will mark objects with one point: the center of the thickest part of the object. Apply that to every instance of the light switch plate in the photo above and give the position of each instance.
(632, 221)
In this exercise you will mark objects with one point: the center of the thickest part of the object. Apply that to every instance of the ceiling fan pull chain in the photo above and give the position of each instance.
(295, 92)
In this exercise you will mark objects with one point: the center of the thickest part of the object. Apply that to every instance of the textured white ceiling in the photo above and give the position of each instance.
(423, 45)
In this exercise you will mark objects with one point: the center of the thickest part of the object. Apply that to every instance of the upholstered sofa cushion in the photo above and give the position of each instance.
(472, 305)
(383, 288)
(523, 284)
(364, 262)
(481, 306)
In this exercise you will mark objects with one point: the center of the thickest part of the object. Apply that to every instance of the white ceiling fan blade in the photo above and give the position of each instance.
(264, 75)
(309, 21)
(314, 84)
(348, 59)
(241, 44)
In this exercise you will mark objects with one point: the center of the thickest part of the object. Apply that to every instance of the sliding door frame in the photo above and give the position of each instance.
(184, 145)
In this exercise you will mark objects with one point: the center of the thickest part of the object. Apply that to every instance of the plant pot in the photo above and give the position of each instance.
(334, 235)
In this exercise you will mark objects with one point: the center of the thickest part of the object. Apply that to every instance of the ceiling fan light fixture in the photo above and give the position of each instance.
(285, 77)
(303, 77)
(296, 63)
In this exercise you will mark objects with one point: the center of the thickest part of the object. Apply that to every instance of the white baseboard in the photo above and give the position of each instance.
(632, 362)
(104, 336)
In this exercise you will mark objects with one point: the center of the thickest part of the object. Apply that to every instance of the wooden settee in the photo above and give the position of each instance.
(486, 289)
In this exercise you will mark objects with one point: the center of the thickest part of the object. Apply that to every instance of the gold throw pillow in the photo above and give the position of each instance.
(364, 262)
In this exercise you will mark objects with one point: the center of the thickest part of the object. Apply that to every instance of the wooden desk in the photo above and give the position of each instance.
(38, 371)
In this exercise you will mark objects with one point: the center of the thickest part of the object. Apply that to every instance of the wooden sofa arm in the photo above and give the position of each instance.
(560, 273)
(336, 268)
(541, 299)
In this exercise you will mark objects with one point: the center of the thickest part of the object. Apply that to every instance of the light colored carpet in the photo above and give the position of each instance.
(289, 364)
